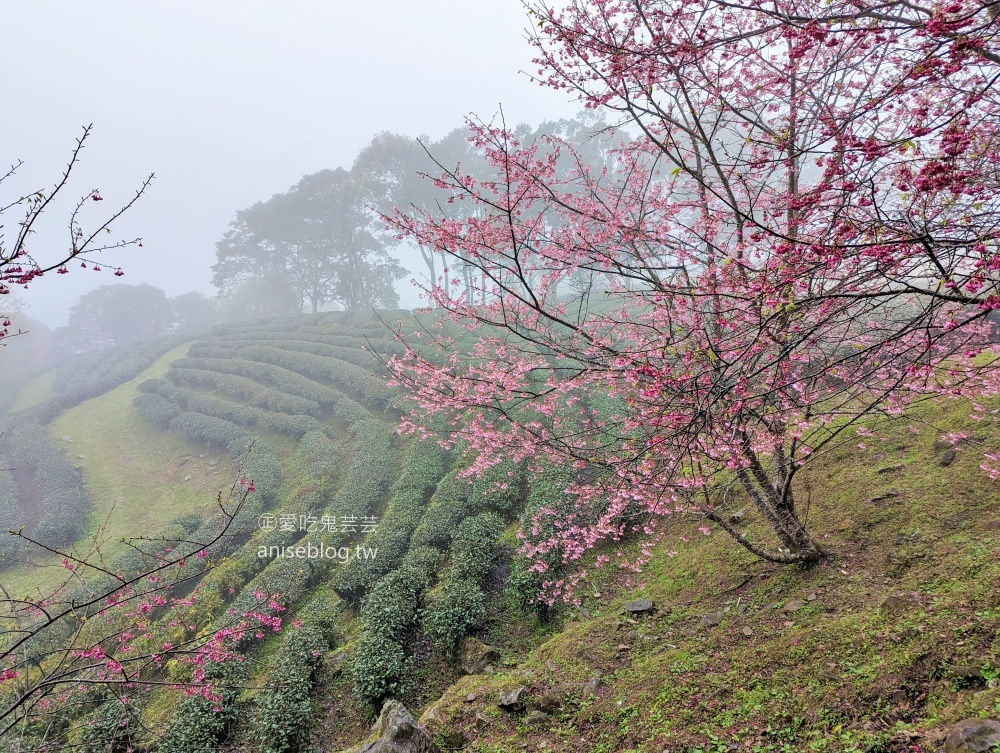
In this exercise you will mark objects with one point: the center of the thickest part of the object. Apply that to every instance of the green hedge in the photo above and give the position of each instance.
(157, 408)
(379, 665)
(449, 506)
(501, 488)
(55, 492)
(11, 518)
(200, 724)
(370, 474)
(282, 379)
(424, 463)
(215, 431)
(247, 390)
(279, 719)
(451, 610)
(296, 426)
(371, 389)
(387, 613)
(113, 726)
(321, 458)
(545, 491)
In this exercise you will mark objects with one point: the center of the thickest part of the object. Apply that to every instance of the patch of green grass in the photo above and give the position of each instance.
(135, 474)
(134, 471)
(827, 676)
(35, 391)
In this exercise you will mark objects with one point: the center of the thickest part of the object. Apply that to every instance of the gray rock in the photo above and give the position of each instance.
(592, 685)
(711, 620)
(747, 632)
(513, 700)
(337, 662)
(188, 478)
(639, 606)
(584, 613)
(536, 717)
(890, 469)
(396, 731)
(900, 603)
(553, 698)
(947, 458)
(973, 736)
(794, 605)
(738, 517)
(884, 497)
(965, 672)
(475, 656)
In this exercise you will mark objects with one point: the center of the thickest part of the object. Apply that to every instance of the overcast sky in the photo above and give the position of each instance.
(232, 102)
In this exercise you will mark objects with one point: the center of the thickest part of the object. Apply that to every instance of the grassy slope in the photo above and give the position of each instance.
(842, 672)
(837, 674)
(133, 471)
(35, 391)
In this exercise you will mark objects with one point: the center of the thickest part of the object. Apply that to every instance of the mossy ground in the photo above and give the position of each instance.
(842, 671)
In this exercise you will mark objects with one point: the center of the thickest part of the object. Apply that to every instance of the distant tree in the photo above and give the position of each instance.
(394, 171)
(116, 314)
(194, 313)
(317, 241)
(258, 297)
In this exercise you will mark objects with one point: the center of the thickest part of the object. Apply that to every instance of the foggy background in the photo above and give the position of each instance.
(232, 102)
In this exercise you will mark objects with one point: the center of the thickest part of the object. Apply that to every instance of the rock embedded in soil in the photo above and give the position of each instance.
(592, 686)
(536, 717)
(513, 700)
(965, 672)
(711, 620)
(553, 698)
(947, 458)
(973, 736)
(794, 605)
(396, 731)
(639, 606)
(900, 603)
(474, 656)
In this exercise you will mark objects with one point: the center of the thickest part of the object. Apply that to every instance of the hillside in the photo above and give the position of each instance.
(881, 647)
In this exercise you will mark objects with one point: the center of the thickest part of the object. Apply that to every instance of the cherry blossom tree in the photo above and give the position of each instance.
(803, 241)
(21, 259)
(104, 632)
